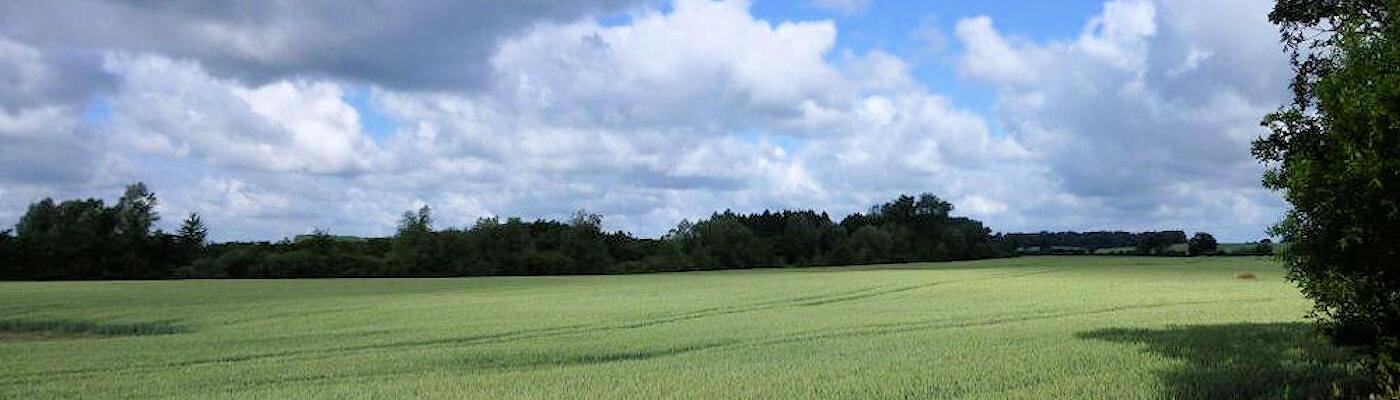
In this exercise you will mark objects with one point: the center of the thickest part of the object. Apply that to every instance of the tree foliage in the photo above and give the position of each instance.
(1335, 154)
(85, 239)
(192, 231)
(1202, 244)
(1264, 247)
(1143, 243)
(74, 239)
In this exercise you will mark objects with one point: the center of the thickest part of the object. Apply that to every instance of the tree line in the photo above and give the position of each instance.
(86, 239)
(1160, 243)
(1143, 243)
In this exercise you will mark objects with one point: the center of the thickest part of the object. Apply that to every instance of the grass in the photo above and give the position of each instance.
(1029, 327)
(1175, 249)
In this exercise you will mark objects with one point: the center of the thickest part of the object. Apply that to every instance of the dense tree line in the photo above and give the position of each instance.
(83, 239)
(1334, 153)
(87, 239)
(1143, 243)
(903, 230)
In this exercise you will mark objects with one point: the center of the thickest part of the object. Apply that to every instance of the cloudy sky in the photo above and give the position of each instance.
(271, 118)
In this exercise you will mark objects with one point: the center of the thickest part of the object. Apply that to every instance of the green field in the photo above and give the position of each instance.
(1029, 327)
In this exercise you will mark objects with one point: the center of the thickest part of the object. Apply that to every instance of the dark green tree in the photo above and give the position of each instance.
(1335, 154)
(9, 256)
(412, 241)
(136, 212)
(137, 253)
(1202, 244)
(583, 242)
(1264, 247)
(191, 240)
(71, 240)
(192, 231)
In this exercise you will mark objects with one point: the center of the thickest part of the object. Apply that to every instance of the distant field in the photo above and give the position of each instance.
(1029, 327)
(1242, 248)
(1175, 248)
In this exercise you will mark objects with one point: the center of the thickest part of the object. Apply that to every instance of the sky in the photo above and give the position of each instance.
(273, 118)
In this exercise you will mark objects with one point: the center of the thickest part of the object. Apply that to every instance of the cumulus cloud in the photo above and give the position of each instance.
(989, 56)
(707, 103)
(247, 114)
(41, 138)
(406, 44)
(33, 76)
(705, 64)
(175, 109)
(45, 144)
(1146, 115)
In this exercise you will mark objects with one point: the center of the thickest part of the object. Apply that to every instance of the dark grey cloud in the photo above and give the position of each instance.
(438, 44)
(62, 158)
(30, 76)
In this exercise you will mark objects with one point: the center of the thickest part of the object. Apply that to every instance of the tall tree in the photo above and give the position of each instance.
(1335, 154)
(192, 231)
(136, 253)
(191, 239)
(9, 256)
(136, 211)
(411, 242)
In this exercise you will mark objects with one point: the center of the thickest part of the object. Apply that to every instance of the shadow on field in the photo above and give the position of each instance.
(537, 360)
(1247, 361)
(24, 329)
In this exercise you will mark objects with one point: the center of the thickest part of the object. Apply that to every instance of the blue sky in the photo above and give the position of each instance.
(910, 29)
(904, 28)
(281, 117)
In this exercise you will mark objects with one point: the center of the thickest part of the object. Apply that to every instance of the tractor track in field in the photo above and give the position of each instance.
(528, 334)
(567, 360)
(873, 330)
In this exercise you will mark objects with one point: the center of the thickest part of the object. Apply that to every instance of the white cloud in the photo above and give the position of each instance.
(21, 67)
(1151, 98)
(1116, 36)
(647, 124)
(1138, 122)
(989, 56)
(33, 122)
(706, 64)
(176, 108)
(237, 198)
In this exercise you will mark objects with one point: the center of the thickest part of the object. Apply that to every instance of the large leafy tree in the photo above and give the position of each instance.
(136, 212)
(1202, 244)
(413, 238)
(139, 254)
(1335, 154)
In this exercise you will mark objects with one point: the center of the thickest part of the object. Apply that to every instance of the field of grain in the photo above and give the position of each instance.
(1029, 327)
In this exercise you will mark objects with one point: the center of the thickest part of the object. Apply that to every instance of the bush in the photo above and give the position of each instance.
(1334, 153)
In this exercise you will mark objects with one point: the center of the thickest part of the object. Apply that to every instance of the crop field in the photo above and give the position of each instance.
(1029, 327)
